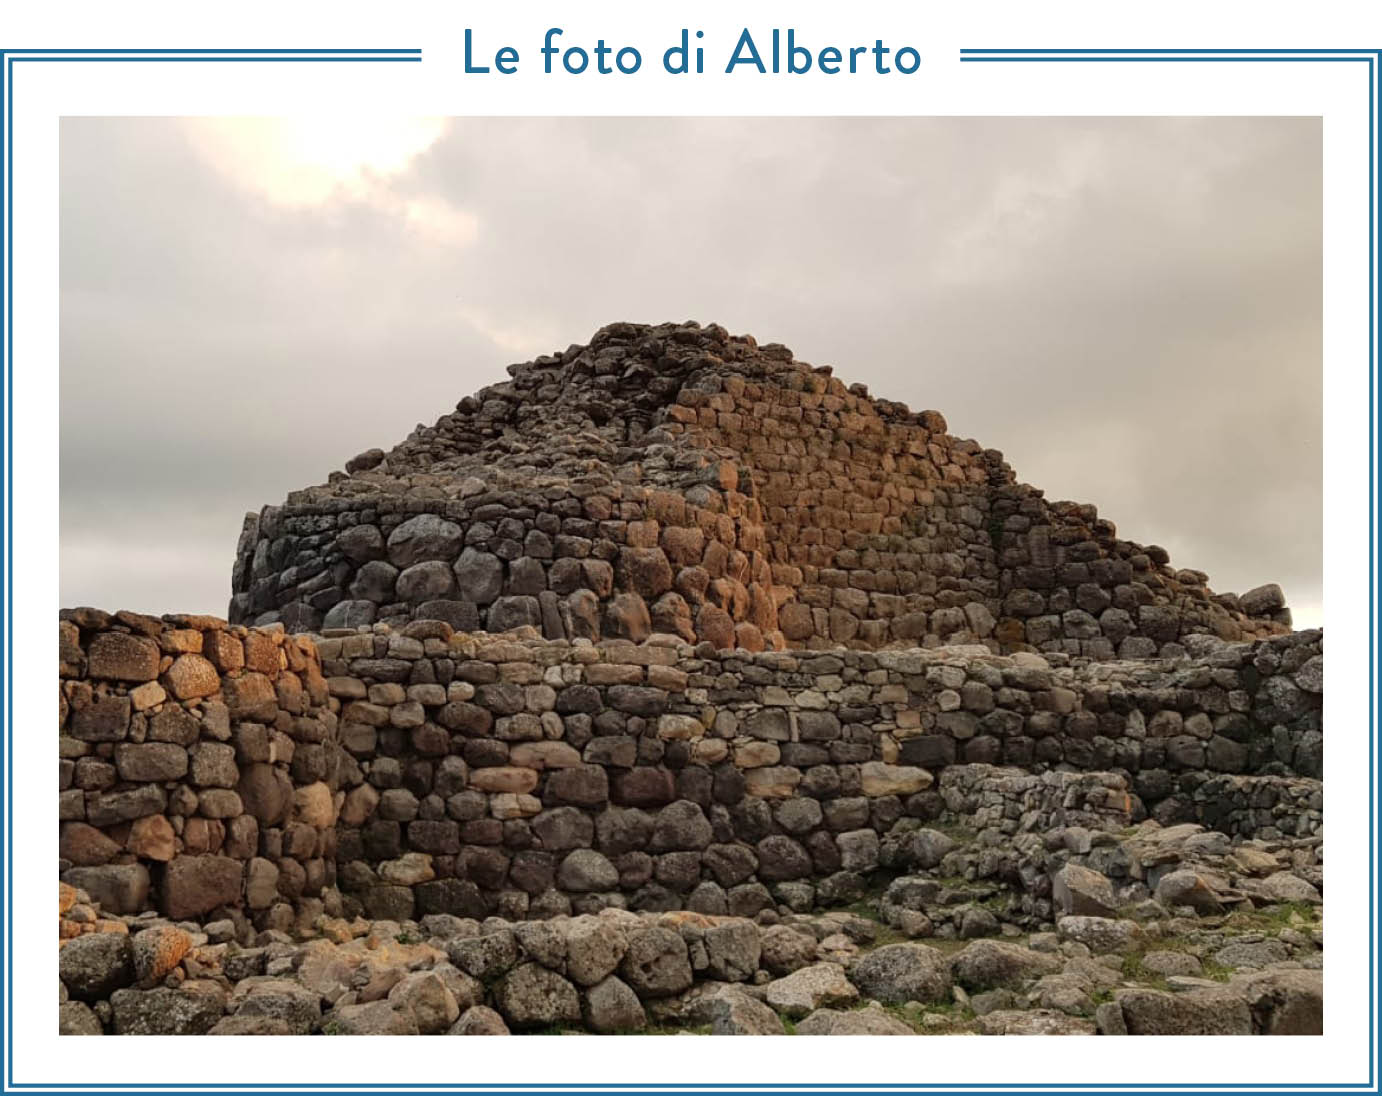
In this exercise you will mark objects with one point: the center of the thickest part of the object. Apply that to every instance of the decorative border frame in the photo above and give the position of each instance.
(12, 58)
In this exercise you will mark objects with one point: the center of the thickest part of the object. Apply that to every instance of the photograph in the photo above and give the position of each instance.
(611, 575)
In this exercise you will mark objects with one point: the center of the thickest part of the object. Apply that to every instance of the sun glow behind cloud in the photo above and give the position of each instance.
(309, 160)
(304, 161)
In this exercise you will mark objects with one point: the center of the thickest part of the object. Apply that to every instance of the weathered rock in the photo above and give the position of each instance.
(76, 1018)
(733, 949)
(1034, 1022)
(94, 966)
(424, 537)
(251, 1025)
(1284, 886)
(156, 951)
(610, 1006)
(479, 1020)
(194, 885)
(532, 996)
(586, 870)
(372, 1018)
(1259, 953)
(427, 998)
(190, 1010)
(121, 657)
(1204, 1012)
(1187, 888)
(731, 1011)
(863, 1021)
(1078, 890)
(277, 999)
(990, 964)
(655, 963)
(484, 957)
(119, 888)
(593, 949)
(1285, 1002)
(191, 676)
(784, 949)
(899, 973)
(1099, 934)
(821, 985)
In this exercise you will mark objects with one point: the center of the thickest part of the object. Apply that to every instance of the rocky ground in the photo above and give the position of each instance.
(1151, 930)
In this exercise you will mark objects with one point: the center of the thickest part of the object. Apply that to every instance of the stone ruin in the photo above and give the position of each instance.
(673, 686)
(677, 479)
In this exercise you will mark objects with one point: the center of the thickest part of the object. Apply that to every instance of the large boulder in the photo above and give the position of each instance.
(94, 966)
(731, 1011)
(1201, 1012)
(298, 1008)
(656, 963)
(899, 973)
(530, 995)
(611, 1006)
(484, 957)
(681, 825)
(594, 947)
(157, 951)
(424, 537)
(428, 999)
(1188, 888)
(192, 1009)
(820, 985)
(193, 885)
(118, 888)
(1100, 934)
(587, 870)
(784, 949)
(991, 964)
(118, 656)
(861, 1021)
(371, 1018)
(76, 1018)
(1079, 890)
(1038, 1021)
(733, 949)
(1285, 1002)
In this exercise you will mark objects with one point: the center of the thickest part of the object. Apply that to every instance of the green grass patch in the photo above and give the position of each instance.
(866, 909)
(1134, 971)
(1271, 920)
(1217, 971)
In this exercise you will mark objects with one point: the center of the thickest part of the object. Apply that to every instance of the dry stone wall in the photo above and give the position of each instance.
(677, 479)
(206, 766)
(197, 764)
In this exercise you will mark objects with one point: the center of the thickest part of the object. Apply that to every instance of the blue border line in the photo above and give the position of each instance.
(1298, 50)
(13, 56)
(1175, 60)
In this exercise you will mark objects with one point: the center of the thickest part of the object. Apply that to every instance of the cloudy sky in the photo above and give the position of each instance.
(1128, 308)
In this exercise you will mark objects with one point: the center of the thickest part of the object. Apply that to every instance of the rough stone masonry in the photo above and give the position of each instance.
(680, 480)
(640, 702)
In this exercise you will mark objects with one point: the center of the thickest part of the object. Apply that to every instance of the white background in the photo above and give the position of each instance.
(437, 86)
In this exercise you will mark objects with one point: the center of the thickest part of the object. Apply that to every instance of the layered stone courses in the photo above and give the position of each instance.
(429, 771)
(677, 479)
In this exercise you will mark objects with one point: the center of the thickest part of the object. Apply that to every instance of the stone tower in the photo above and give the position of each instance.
(678, 479)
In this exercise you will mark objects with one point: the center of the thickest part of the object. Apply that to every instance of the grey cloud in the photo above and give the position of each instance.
(1129, 308)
